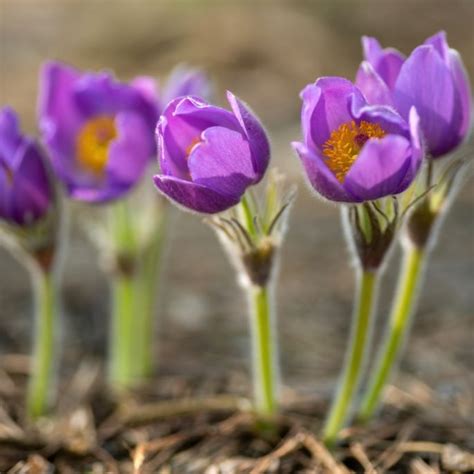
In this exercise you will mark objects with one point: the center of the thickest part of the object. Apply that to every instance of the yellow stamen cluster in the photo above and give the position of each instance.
(344, 144)
(93, 142)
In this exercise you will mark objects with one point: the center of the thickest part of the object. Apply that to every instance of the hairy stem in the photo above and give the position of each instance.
(355, 356)
(41, 381)
(122, 363)
(146, 292)
(397, 329)
(264, 351)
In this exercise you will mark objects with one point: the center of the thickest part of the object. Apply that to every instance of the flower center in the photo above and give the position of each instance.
(344, 144)
(93, 143)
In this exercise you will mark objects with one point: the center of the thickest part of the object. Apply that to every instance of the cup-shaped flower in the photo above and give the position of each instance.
(99, 132)
(432, 78)
(26, 191)
(354, 152)
(209, 156)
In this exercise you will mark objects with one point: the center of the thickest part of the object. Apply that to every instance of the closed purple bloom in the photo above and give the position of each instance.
(432, 79)
(26, 191)
(99, 132)
(208, 155)
(352, 151)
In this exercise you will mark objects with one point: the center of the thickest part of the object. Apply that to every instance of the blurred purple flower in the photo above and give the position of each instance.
(184, 81)
(432, 79)
(352, 151)
(26, 191)
(99, 132)
(208, 155)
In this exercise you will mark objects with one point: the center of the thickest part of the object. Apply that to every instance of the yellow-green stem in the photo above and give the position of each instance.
(123, 331)
(146, 291)
(122, 363)
(264, 351)
(42, 381)
(355, 357)
(397, 329)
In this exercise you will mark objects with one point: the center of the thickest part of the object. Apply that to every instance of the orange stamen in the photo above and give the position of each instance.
(93, 142)
(344, 145)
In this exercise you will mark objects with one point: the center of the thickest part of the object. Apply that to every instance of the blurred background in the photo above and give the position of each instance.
(265, 52)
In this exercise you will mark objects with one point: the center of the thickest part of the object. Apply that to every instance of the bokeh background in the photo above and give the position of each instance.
(265, 52)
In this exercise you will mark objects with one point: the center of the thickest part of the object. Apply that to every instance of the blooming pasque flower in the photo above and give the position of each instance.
(352, 151)
(208, 155)
(99, 131)
(25, 187)
(432, 79)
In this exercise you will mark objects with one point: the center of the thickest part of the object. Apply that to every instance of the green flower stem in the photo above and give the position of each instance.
(122, 370)
(123, 330)
(147, 281)
(41, 379)
(355, 357)
(408, 283)
(264, 351)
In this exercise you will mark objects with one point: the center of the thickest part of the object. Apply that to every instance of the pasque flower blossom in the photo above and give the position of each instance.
(99, 132)
(208, 155)
(26, 190)
(432, 79)
(352, 151)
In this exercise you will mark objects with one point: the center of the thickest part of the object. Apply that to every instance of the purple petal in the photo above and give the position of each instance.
(130, 152)
(320, 176)
(463, 87)
(185, 81)
(380, 168)
(331, 109)
(100, 94)
(10, 137)
(59, 117)
(439, 42)
(434, 97)
(223, 162)
(180, 127)
(148, 88)
(389, 65)
(372, 86)
(256, 136)
(29, 194)
(386, 117)
(310, 96)
(371, 49)
(385, 62)
(193, 196)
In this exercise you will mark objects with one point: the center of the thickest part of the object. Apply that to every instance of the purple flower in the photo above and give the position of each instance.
(26, 191)
(209, 156)
(432, 79)
(99, 132)
(352, 151)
